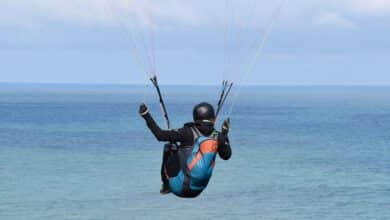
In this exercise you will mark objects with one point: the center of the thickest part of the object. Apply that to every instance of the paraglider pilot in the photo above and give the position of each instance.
(189, 158)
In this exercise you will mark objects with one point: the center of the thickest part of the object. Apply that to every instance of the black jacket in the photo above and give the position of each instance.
(185, 137)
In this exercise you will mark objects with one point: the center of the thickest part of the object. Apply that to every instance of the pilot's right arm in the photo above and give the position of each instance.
(180, 135)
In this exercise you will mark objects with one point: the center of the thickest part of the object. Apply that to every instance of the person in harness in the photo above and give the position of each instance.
(189, 157)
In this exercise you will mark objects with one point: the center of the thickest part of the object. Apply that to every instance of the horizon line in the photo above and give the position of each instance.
(174, 84)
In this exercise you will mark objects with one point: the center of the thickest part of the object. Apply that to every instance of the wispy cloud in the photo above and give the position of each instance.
(335, 19)
(35, 12)
(95, 12)
(370, 7)
(29, 13)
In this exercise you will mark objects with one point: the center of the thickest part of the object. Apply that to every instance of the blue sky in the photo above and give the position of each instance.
(313, 42)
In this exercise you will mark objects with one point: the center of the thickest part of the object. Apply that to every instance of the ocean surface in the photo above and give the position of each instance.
(82, 152)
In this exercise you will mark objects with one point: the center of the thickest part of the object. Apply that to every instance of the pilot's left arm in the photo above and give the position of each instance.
(224, 149)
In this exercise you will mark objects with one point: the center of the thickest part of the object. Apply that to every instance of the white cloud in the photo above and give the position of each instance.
(30, 13)
(335, 19)
(371, 7)
(34, 12)
(26, 12)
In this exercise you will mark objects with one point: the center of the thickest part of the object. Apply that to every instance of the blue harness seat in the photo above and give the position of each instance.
(196, 165)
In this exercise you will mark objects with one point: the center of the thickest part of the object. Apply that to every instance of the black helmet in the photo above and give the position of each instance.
(203, 112)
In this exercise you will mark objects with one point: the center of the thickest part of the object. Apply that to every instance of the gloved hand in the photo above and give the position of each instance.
(143, 109)
(226, 126)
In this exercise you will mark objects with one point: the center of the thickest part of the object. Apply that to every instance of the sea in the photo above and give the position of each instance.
(299, 152)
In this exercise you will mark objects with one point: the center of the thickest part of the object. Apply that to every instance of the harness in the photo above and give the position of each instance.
(196, 163)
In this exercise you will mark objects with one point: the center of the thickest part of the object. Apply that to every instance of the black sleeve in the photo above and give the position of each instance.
(224, 149)
(180, 135)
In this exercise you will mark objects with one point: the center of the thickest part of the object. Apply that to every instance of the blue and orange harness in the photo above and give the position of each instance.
(196, 165)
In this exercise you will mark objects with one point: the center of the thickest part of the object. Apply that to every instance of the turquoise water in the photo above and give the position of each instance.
(82, 152)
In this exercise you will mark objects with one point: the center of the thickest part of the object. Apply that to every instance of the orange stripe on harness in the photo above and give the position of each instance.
(197, 157)
(209, 146)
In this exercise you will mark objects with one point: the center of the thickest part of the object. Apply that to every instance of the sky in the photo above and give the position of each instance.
(316, 42)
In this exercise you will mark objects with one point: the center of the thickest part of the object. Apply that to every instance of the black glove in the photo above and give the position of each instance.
(226, 126)
(143, 109)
